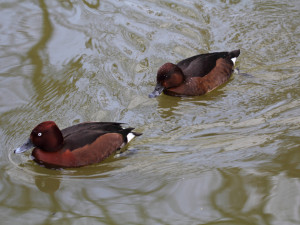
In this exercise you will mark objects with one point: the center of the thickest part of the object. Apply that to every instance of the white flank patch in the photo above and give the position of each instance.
(130, 136)
(233, 60)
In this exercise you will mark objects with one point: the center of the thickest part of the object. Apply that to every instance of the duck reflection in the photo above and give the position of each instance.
(49, 180)
(47, 184)
(168, 105)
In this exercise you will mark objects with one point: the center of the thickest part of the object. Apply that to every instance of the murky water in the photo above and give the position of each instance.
(229, 157)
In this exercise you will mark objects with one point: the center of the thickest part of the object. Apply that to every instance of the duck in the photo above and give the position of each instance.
(196, 75)
(76, 146)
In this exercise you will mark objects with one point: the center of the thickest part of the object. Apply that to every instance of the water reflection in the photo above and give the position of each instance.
(241, 197)
(92, 4)
(287, 158)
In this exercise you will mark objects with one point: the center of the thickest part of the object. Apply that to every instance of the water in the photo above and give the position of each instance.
(229, 157)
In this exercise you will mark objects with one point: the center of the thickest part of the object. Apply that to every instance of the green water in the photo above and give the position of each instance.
(229, 157)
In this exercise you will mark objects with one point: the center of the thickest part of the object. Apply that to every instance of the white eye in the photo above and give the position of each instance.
(39, 134)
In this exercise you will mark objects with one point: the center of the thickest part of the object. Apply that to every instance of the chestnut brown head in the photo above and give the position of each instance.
(169, 75)
(45, 136)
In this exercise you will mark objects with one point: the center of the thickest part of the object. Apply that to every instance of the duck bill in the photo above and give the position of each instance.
(157, 91)
(24, 147)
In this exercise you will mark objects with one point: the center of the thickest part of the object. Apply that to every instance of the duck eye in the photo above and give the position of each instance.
(39, 134)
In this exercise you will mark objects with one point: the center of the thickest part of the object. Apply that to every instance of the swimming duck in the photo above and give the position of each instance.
(196, 75)
(79, 145)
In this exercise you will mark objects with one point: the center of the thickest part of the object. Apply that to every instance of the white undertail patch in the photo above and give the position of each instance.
(233, 60)
(130, 136)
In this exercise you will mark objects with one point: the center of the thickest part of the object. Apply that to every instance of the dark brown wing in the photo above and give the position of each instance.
(200, 65)
(82, 134)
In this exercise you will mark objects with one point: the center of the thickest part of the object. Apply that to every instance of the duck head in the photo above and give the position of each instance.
(169, 75)
(45, 136)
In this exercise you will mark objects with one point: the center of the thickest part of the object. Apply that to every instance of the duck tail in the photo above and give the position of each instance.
(233, 55)
(128, 135)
